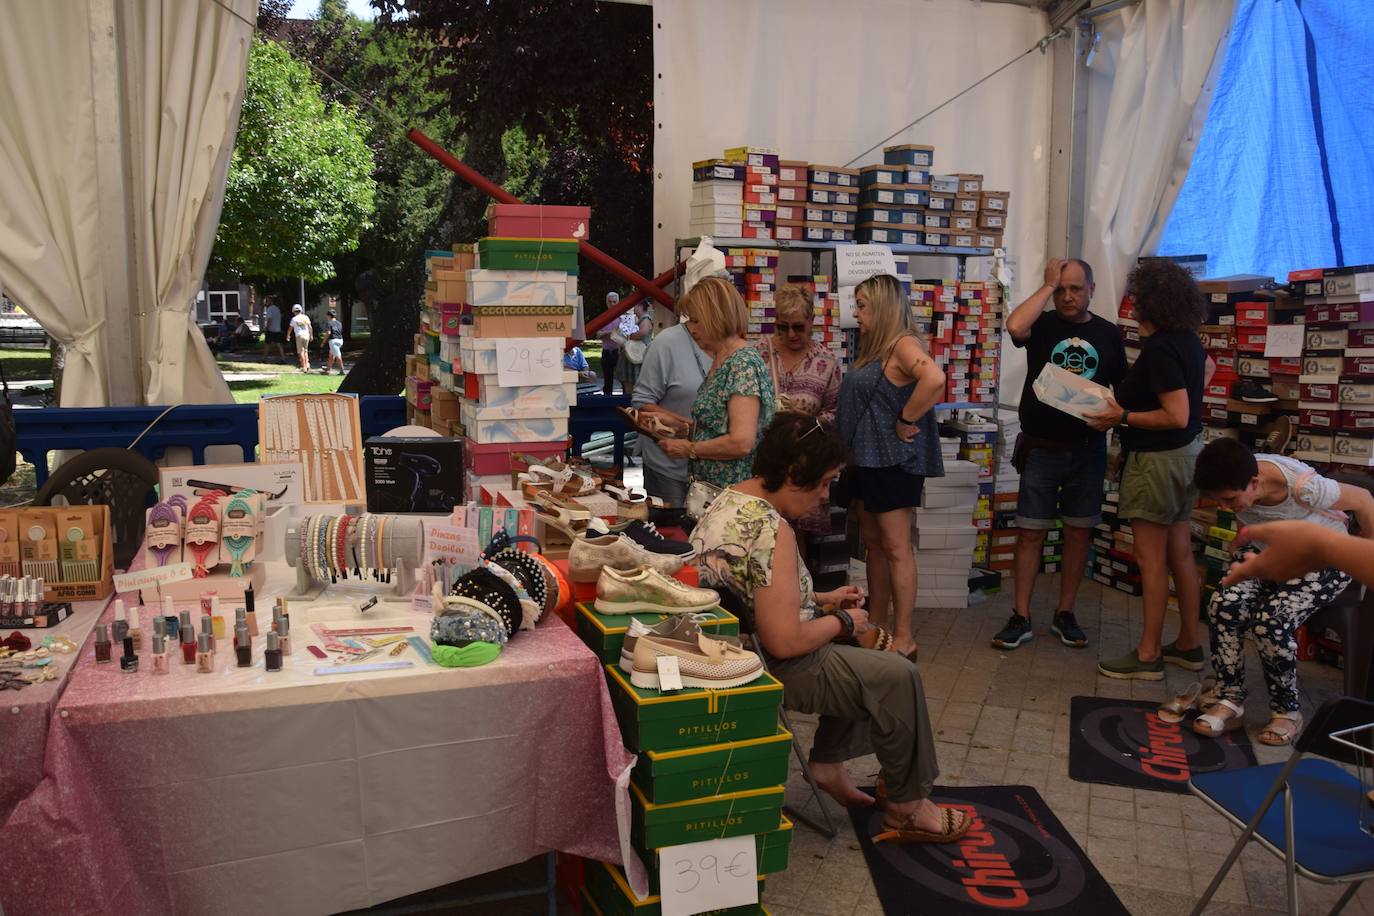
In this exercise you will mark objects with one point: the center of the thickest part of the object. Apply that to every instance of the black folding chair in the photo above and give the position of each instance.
(1322, 831)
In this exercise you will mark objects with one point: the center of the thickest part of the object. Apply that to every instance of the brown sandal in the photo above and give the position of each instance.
(956, 824)
(884, 641)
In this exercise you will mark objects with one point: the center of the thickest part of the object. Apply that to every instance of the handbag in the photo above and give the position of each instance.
(634, 350)
(700, 495)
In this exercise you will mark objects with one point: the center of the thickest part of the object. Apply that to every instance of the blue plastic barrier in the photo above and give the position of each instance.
(596, 413)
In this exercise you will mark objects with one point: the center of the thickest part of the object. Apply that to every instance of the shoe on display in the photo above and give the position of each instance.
(648, 591)
(1252, 392)
(1066, 627)
(647, 535)
(589, 555)
(1279, 435)
(1017, 631)
(703, 662)
(681, 627)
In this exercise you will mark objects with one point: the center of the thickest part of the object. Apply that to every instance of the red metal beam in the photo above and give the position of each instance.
(591, 252)
(630, 301)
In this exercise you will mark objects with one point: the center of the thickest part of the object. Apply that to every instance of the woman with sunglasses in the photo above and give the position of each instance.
(806, 376)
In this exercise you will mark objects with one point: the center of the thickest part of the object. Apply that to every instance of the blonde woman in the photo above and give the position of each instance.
(736, 401)
(885, 418)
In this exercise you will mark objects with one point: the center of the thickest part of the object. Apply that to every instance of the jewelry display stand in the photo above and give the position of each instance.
(323, 433)
(403, 546)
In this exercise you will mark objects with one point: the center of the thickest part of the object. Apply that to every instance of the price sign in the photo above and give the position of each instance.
(151, 577)
(524, 361)
(713, 875)
(1283, 340)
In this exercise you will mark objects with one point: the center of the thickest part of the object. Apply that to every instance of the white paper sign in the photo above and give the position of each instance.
(856, 263)
(151, 577)
(524, 361)
(669, 677)
(1283, 340)
(845, 295)
(713, 875)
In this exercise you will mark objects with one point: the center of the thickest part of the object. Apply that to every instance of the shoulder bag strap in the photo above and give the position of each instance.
(873, 393)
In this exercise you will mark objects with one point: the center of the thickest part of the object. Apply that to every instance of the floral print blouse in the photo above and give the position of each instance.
(813, 387)
(742, 373)
(735, 542)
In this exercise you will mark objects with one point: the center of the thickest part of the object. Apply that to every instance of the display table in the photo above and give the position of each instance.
(24, 714)
(244, 791)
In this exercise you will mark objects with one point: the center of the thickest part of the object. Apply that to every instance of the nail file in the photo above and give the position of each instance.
(353, 669)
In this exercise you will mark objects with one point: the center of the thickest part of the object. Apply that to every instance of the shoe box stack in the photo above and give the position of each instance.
(712, 764)
(965, 335)
(519, 282)
(1113, 561)
(754, 272)
(736, 196)
(1336, 417)
(893, 196)
(832, 203)
(790, 225)
(826, 330)
(1215, 529)
(945, 535)
(992, 218)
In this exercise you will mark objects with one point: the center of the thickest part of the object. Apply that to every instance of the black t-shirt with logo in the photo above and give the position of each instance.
(1091, 349)
(1169, 360)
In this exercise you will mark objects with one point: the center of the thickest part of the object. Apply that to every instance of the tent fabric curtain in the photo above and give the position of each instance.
(188, 62)
(1157, 64)
(50, 234)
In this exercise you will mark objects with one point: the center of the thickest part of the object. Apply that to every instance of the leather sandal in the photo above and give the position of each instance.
(956, 824)
(1219, 719)
(1281, 730)
(565, 510)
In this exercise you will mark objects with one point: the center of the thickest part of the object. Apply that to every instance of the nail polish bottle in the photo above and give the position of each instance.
(240, 620)
(205, 655)
(169, 615)
(39, 595)
(207, 627)
(160, 665)
(273, 654)
(218, 618)
(160, 627)
(187, 634)
(243, 645)
(102, 644)
(128, 662)
(120, 628)
(135, 627)
(205, 602)
(284, 631)
(250, 603)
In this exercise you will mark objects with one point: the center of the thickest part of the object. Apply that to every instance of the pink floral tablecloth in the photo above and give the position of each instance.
(243, 791)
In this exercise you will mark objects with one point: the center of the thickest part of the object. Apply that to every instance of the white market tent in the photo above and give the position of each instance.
(117, 118)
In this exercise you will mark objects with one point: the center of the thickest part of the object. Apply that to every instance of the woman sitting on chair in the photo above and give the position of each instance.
(869, 701)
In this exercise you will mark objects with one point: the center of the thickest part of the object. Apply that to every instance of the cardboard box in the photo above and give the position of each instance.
(544, 427)
(1313, 446)
(909, 154)
(665, 777)
(717, 170)
(693, 717)
(604, 634)
(413, 475)
(1356, 393)
(940, 201)
(527, 254)
(521, 321)
(484, 391)
(792, 172)
(994, 201)
(881, 175)
(1355, 450)
(966, 204)
(1321, 420)
(970, 184)
(539, 221)
(1356, 422)
(280, 482)
(1358, 367)
(770, 853)
(838, 176)
(607, 893)
(520, 287)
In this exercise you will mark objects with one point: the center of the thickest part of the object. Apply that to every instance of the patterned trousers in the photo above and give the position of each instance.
(1271, 612)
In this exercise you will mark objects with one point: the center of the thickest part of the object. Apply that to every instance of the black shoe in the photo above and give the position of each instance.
(646, 535)
(1017, 631)
(1067, 629)
(1252, 392)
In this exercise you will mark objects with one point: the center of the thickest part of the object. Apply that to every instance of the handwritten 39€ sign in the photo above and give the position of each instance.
(525, 361)
(714, 875)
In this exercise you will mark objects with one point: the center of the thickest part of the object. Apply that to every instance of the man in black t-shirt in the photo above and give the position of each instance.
(1063, 463)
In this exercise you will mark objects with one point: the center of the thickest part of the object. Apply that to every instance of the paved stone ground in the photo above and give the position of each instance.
(1003, 718)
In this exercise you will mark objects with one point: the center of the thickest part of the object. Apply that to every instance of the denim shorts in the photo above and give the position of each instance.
(1062, 485)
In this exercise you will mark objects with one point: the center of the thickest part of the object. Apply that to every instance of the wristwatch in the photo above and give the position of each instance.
(846, 622)
(1125, 416)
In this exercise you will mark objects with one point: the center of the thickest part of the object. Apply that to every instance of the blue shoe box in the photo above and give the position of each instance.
(909, 154)
(871, 175)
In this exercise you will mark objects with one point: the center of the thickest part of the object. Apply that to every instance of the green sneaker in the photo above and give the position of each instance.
(1129, 667)
(1192, 659)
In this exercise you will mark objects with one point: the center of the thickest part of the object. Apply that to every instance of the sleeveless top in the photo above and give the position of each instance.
(867, 424)
(1310, 497)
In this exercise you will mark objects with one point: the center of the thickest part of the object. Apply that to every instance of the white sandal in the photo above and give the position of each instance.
(1219, 719)
(567, 512)
(1283, 737)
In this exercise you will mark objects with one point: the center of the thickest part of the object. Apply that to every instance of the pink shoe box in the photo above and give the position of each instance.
(486, 460)
(536, 221)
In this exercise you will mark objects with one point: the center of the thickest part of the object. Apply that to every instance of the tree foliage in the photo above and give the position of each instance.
(300, 188)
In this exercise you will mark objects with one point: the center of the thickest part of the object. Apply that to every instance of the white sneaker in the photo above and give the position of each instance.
(649, 591)
(708, 663)
(589, 556)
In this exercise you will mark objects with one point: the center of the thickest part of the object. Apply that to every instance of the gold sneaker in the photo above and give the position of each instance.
(589, 555)
(647, 590)
(708, 663)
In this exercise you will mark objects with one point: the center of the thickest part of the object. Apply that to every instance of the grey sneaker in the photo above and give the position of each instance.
(684, 628)
(1192, 659)
(1129, 667)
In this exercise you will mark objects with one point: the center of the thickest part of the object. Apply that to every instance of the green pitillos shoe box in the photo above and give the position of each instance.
(605, 633)
(607, 893)
(495, 253)
(700, 772)
(770, 850)
(693, 717)
(737, 814)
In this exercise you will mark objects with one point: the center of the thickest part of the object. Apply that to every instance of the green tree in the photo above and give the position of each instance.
(300, 188)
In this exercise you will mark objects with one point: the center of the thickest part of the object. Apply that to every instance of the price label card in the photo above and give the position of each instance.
(151, 577)
(669, 677)
(1283, 340)
(449, 543)
(856, 263)
(525, 361)
(713, 875)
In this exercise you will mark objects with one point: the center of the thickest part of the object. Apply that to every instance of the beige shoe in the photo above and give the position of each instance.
(681, 627)
(642, 591)
(707, 663)
(589, 556)
(629, 505)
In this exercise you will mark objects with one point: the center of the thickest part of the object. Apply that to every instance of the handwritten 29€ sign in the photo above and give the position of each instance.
(713, 875)
(524, 361)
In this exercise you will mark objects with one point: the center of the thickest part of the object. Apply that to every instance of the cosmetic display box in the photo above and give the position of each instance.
(413, 475)
(607, 893)
(736, 814)
(73, 552)
(604, 634)
(539, 221)
(527, 254)
(770, 853)
(665, 777)
(693, 717)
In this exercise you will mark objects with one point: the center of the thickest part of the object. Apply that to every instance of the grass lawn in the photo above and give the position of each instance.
(23, 364)
(248, 391)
